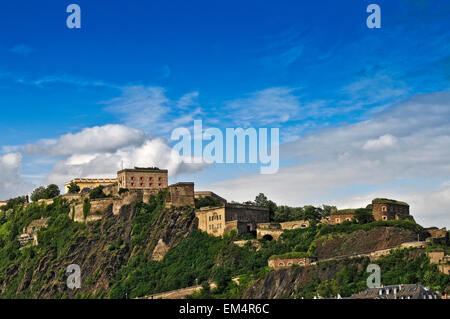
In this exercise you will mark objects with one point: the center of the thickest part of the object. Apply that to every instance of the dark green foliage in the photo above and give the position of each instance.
(97, 192)
(13, 202)
(73, 188)
(363, 216)
(351, 227)
(53, 243)
(48, 192)
(205, 201)
(123, 190)
(86, 208)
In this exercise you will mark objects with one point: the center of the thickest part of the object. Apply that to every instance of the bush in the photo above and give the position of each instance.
(97, 192)
(123, 190)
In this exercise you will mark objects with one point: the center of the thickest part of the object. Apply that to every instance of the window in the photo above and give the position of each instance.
(151, 179)
(338, 220)
(384, 208)
(132, 178)
(281, 264)
(348, 219)
(384, 217)
(159, 184)
(150, 184)
(141, 178)
(142, 184)
(289, 264)
(159, 179)
(132, 184)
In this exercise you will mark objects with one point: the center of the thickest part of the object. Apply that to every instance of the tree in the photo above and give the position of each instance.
(261, 200)
(39, 193)
(328, 288)
(73, 188)
(86, 208)
(52, 191)
(363, 216)
(97, 192)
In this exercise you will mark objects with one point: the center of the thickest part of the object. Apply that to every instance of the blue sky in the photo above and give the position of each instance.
(313, 69)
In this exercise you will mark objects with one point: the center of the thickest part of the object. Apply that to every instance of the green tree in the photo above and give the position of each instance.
(328, 288)
(97, 192)
(363, 216)
(39, 193)
(73, 188)
(52, 191)
(86, 208)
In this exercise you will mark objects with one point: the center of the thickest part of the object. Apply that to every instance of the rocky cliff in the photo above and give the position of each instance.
(100, 248)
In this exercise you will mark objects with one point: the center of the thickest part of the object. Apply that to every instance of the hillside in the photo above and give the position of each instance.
(100, 248)
(148, 248)
(343, 276)
(361, 241)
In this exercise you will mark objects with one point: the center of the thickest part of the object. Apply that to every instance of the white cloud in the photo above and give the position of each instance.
(11, 182)
(96, 139)
(150, 109)
(383, 142)
(102, 150)
(267, 107)
(333, 164)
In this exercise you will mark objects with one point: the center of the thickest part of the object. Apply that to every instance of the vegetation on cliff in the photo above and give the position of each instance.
(116, 254)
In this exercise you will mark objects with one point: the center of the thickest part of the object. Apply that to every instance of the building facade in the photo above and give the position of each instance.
(281, 263)
(243, 218)
(143, 178)
(389, 209)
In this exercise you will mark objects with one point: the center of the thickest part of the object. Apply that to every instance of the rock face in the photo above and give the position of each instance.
(286, 282)
(100, 251)
(362, 241)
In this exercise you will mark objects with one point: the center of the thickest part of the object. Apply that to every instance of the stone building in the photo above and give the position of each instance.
(3, 203)
(90, 183)
(143, 178)
(389, 209)
(30, 232)
(340, 216)
(382, 209)
(436, 233)
(200, 194)
(281, 263)
(181, 194)
(408, 291)
(243, 218)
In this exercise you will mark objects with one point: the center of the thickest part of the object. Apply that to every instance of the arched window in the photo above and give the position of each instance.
(384, 217)
(384, 208)
(281, 264)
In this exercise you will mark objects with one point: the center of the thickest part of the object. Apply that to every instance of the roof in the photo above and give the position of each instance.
(343, 211)
(413, 291)
(94, 180)
(388, 201)
(144, 170)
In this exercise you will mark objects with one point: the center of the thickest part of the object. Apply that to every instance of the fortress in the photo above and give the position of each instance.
(139, 183)
(382, 209)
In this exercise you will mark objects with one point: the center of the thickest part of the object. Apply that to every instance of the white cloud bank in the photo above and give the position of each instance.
(11, 183)
(102, 150)
(401, 153)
